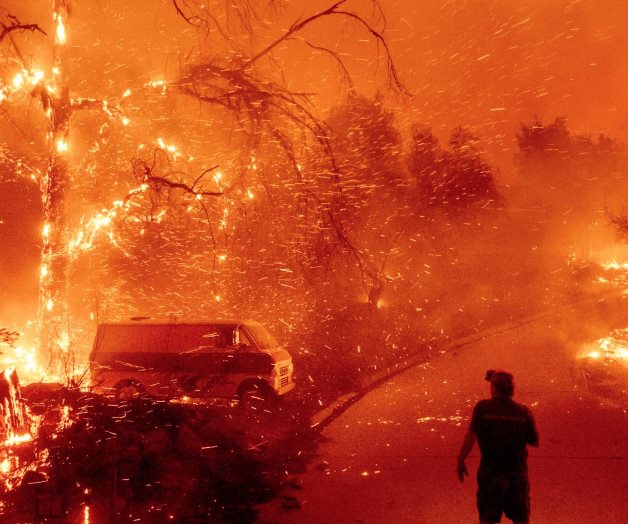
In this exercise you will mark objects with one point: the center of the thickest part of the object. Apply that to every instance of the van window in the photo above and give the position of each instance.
(263, 338)
(193, 338)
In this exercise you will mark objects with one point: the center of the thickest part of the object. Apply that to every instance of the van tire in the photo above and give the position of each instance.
(129, 390)
(254, 397)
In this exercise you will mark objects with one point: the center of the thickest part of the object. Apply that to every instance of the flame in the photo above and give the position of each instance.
(18, 81)
(223, 221)
(613, 348)
(13, 440)
(170, 148)
(615, 265)
(616, 273)
(158, 83)
(62, 145)
(22, 79)
(60, 33)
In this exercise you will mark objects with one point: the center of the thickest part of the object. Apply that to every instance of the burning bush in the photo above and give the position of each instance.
(155, 460)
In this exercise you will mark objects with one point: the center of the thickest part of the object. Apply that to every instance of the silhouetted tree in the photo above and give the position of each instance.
(371, 183)
(454, 179)
(570, 176)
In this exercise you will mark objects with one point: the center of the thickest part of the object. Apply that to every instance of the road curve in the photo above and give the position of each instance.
(390, 458)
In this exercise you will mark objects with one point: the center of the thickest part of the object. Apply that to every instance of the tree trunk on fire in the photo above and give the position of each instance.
(53, 315)
(12, 419)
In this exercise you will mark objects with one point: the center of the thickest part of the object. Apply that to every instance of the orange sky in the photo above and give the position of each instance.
(484, 64)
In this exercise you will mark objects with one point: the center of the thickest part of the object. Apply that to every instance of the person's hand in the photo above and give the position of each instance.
(462, 471)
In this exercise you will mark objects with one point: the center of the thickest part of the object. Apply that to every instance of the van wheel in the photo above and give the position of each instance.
(129, 390)
(253, 399)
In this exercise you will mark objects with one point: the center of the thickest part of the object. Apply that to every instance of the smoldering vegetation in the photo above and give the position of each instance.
(388, 246)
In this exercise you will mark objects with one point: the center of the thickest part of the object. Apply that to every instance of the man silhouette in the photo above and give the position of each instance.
(503, 429)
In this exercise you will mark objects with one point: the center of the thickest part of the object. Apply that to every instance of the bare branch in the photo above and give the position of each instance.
(110, 108)
(8, 337)
(341, 65)
(16, 25)
(146, 174)
(181, 13)
(331, 11)
(294, 28)
(392, 70)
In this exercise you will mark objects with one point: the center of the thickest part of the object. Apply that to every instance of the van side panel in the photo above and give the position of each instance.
(192, 359)
(121, 347)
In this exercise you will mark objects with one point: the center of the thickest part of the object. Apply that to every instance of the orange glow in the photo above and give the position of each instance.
(18, 81)
(60, 34)
(613, 264)
(613, 348)
(62, 145)
(17, 439)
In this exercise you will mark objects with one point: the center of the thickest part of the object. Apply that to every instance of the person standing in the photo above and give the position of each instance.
(503, 428)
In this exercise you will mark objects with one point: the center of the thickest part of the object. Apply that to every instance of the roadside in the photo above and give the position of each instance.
(326, 415)
(390, 458)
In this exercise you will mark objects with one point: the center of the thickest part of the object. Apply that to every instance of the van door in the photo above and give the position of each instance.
(207, 355)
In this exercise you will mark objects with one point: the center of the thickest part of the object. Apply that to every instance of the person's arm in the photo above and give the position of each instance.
(532, 438)
(467, 446)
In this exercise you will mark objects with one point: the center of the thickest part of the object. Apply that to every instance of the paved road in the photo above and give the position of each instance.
(390, 458)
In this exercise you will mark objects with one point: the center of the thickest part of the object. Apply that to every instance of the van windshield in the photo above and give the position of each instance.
(262, 337)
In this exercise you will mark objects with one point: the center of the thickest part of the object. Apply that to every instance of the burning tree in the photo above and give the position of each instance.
(90, 197)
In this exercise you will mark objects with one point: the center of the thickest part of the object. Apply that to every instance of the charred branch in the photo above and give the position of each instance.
(190, 19)
(344, 72)
(146, 175)
(8, 337)
(14, 25)
(335, 10)
(619, 221)
(233, 88)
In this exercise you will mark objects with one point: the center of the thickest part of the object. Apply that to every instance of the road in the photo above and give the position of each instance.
(391, 456)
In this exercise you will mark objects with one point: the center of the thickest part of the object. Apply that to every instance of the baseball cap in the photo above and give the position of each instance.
(503, 380)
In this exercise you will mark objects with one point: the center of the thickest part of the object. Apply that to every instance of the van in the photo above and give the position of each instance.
(237, 361)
